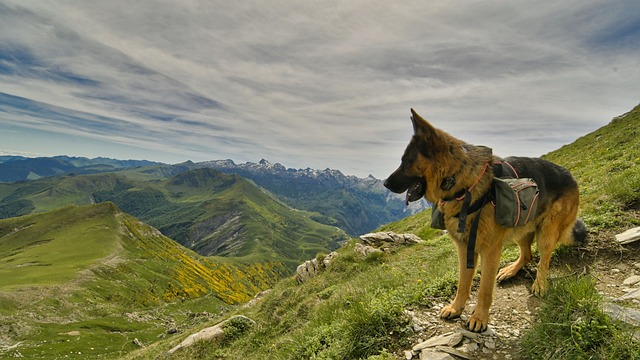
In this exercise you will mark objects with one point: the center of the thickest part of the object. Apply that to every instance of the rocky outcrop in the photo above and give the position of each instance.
(311, 268)
(386, 241)
(371, 243)
(259, 296)
(237, 322)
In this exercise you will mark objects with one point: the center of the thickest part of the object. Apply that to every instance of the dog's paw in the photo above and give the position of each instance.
(478, 323)
(539, 288)
(450, 312)
(507, 272)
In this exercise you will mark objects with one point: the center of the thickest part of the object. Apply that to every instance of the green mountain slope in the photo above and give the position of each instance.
(50, 249)
(79, 269)
(205, 210)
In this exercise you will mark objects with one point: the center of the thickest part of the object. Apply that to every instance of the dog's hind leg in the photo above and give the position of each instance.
(465, 280)
(525, 256)
(555, 229)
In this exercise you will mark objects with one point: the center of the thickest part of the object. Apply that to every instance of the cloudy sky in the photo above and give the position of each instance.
(309, 83)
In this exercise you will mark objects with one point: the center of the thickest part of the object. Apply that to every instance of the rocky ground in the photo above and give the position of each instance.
(616, 268)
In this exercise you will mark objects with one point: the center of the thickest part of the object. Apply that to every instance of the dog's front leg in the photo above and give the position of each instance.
(479, 320)
(465, 279)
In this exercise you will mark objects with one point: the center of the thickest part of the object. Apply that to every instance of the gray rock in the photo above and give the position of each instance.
(635, 294)
(449, 339)
(470, 347)
(452, 351)
(365, 250)
(328, 259)
(631, 280)
(257, 298)
(307, 270)
(625, 314)
(432, 354)
(380, 238)
(311, 268)
(629, 236)
(210, 333)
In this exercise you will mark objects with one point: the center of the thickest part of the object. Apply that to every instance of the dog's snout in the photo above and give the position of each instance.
(396, 183)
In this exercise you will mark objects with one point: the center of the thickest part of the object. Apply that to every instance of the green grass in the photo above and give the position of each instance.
(571, 322)
(573, 325)
(39, 250)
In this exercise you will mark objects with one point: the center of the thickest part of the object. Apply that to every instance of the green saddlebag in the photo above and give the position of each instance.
(516, 201)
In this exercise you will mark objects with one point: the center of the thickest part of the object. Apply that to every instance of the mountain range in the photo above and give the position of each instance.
(18, 168)
(356, 205)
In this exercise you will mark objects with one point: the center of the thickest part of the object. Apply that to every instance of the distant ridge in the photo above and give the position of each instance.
(18, 168)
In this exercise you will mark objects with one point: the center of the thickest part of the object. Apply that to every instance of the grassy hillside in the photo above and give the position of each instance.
(351, 311)
(88, 280)
(606, 164)
(207, 211)
(51, 249)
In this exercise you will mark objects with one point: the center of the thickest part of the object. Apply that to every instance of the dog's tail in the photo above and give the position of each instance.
(579, 233)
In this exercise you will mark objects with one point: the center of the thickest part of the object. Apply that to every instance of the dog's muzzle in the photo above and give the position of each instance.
(416, 191)
(415, 187)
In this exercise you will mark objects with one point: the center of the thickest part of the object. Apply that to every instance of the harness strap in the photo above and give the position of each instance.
(498, 170)
(503, 168)
(462, 222)
(471, 243)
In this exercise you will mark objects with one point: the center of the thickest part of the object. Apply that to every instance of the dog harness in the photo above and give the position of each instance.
(498, 170)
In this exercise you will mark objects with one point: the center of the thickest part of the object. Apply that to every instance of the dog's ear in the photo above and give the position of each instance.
(421, 127)
(430, 141)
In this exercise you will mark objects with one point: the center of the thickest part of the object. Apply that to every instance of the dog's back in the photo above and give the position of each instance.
(554, 182)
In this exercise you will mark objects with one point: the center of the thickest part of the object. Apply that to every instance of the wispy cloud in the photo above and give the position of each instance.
(320, 84)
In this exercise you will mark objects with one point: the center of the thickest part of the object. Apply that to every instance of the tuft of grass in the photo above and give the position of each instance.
(573, 325)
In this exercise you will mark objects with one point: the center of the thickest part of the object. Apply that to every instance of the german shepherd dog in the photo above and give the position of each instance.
(444, 169)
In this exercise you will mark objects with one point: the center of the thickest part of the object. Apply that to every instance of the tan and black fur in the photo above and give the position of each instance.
(437, 165)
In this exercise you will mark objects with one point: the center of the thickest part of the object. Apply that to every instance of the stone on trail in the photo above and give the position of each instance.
(628, 236)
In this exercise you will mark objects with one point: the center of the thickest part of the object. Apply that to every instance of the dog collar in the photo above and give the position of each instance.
(462, 194)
